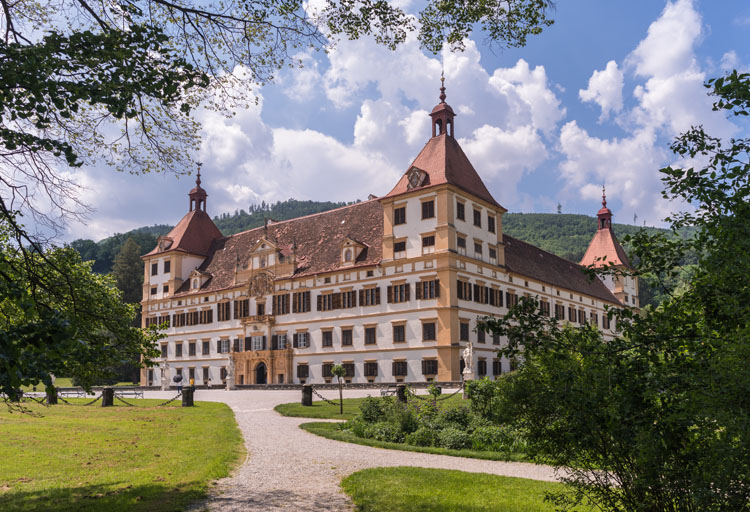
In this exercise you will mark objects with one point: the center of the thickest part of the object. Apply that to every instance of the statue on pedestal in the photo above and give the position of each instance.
(165, 376)
(468, 356)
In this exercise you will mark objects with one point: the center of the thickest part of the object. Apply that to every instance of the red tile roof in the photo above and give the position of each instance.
(193, 234)
(445, 162)
(531, 261)
(316, 240)
(605, 244)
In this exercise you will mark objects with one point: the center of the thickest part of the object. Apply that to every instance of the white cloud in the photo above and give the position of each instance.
(605, 89)
(729, 61)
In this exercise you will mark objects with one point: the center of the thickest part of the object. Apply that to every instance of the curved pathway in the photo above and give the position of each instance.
(290, 469)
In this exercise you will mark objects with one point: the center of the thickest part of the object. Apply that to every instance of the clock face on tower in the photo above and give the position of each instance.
(415, 178)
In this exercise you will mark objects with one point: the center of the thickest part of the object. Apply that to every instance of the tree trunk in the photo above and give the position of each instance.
(341, 398)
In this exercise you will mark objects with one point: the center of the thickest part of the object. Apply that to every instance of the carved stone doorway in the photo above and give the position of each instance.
(261, 374)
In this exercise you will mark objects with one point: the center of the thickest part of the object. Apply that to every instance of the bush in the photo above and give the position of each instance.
(372, 409)
(483, 395)
(384, 431)
(423, 436)
(457, 416)
(356, 426)
(403, 416)
(454, 439)
(488, 439)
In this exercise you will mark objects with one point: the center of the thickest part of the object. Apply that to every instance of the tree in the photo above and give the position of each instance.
(339, 372)
(60, 318)
(128, 272)
(655, 417)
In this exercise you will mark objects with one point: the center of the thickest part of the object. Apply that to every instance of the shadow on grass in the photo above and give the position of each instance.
(110, 497)
(278, 499)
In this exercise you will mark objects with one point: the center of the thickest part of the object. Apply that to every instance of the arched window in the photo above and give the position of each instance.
(439, 127)
(348, 255)
(262, 262)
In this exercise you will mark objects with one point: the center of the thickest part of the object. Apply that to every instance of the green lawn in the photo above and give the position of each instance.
(64, 382)
(438, 490)
(331, 431)
(324, 410)
(115, 458)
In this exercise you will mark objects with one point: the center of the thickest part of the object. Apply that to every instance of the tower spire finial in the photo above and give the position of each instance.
(198, 178)
(442, 87)
(604, 196)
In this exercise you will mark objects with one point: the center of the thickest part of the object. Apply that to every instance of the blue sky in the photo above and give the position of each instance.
(595, 99)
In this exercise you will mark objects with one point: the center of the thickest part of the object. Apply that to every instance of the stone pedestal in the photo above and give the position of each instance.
(187, 396)
(108, 397)
(51, 395)
(468, 376)
(401, 393)
(307, 395)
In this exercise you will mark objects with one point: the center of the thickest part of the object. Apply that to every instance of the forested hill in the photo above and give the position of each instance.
(566, 235)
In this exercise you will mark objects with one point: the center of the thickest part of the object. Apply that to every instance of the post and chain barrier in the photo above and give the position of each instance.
(80, 405)
(442, 397)
(315, 391)
(178, 395)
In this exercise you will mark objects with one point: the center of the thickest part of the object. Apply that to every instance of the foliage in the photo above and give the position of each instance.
(454, 438)
(423, 436)
(89, 459)
(655, 418)
(59, 318)
(405, 489)
(128, 272)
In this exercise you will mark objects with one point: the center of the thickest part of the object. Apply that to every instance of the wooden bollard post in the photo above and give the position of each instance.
(108, 397)
(51, 395)
(187, 396)
(307, 395)
(401, 393)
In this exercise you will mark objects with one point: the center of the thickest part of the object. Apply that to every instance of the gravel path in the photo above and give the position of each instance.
(290, 469)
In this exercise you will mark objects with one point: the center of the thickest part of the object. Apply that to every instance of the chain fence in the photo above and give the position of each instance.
(315, 391)
(92, 402)
(429, 398)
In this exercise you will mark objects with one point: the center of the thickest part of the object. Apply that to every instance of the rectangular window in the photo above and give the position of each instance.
(544, 308)
(493, 256)
(399, 333)
(153, 290)
(303, 371)
(399, 250)
(241, 308)
(428, 289)
(224, 312)
(206, 316)
(301, 302)
(572, 316)
(346, 337)
(349, 369)
(400, 369)
(301, 339)
(223, 373)
(206, 377)
(237, 345)
(348, 299)
(464, 331)
(164, 350)
(398, 293)
(496, 297)
(497, 367)
(191, 348)
(371, 369)
(482, 367)
(490, 223)
(329, 301)
(280, 304)
(428, 209)
(206, 348)
(559, 312)
(154, 269)
(165, 288)
(428, 331)
(428, 244)
(260, 309)
(463, 290)
(223, 346)
(478, 250)
(460, 211)
(581, 316)
(605, 323)
(478, 218)
(461, 245)
(327, 369)
(369, 297)
(399, 216)
(370, 336)
(191, 374)
(167, 266)
(429, 367)
(178, 350)
(511, 299)
(327, 338)
(495, 339)
(480, 336)
(594, 319)
(258, 342)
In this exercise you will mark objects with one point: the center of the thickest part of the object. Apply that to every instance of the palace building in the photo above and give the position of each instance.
(391, 287)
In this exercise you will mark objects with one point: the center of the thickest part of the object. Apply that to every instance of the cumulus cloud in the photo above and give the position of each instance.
(605, 89)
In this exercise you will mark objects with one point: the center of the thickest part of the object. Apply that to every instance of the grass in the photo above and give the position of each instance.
(332, 431)
(404, 489)
(115, 458)
(64, 382)
(324, 410)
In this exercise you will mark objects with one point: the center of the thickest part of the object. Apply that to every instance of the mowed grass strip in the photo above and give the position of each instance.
(143, 458)
(403, 489)
(323, 410)
(332, 431)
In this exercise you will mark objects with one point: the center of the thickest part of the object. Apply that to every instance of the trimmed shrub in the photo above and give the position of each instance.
(372, 409)
(454, 439)
(384, 431)
(423, 436)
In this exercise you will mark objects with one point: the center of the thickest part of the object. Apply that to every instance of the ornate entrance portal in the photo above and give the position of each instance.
(261, 374)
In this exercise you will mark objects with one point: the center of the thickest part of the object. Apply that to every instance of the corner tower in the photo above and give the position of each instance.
(604, 251)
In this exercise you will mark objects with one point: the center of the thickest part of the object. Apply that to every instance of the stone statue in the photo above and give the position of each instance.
(230, 373)
(468, 356)
(165, 376)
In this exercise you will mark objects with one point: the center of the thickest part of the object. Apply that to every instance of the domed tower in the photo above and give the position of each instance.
(604, 251)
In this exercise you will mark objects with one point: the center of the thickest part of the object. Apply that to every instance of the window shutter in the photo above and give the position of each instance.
(337, 300)
(354, 299)
(295, 340)
(274, 342)
(418, 290)
(274, 305)
(424, 367)
(361, 297)
(218, 346)
(407, 292)
(377, 295)
(437, 287)
(507, 298)
(320, 302)
(477, 297)
(389, 294)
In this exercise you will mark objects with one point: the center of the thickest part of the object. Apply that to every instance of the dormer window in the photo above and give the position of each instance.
(416, 178)
(348, 255)
(195, 284)
(263, 261)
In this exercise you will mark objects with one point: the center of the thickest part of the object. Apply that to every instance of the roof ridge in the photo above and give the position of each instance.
(542, 250)
(275, 223)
